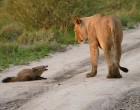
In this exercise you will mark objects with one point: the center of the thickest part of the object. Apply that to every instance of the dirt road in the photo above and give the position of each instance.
(67, 87)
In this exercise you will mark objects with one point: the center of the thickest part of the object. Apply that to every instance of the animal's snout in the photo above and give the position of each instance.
(46, 67)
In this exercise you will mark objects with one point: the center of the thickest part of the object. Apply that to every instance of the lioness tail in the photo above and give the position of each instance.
(123, 69)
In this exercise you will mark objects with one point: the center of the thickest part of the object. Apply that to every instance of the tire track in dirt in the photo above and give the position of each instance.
(24, 97)
(87, 65)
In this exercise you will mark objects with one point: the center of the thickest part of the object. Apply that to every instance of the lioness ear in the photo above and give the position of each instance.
(77, 20)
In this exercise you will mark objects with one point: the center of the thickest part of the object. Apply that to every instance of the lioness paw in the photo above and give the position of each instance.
(114, 76)
(90, 75)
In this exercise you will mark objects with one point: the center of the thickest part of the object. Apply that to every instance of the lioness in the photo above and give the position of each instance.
(27, 75)
(104, 31)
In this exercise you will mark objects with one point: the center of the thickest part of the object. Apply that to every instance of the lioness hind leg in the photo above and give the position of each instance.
(114, 68)
(114, 72)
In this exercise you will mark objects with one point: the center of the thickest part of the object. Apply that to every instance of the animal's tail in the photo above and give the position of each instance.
(10, 79)
(123, 69)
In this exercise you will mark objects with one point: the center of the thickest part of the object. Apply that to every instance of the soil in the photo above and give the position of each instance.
(67, 87)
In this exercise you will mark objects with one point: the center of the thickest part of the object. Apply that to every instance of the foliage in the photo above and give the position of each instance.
(29, 29)
(35, 37)
(12, 53)
(10, 32)
(47, 13)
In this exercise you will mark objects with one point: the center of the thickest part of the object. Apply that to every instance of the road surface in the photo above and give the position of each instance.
(67, 87)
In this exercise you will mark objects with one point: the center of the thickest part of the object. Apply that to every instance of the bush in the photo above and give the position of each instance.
(12, 53)
(49, 13)
(4, 20)
(135, 17)
(10, 32)
(35, 37)
(130, 25)
(64, 38)
(8, 48)
(125, 19)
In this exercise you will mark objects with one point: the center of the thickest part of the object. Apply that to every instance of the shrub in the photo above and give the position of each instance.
(64, 38)
(10, 32)
(4, 20)
(35, 37)
(12, 53)
(130, 25)
(8, 49)
(125, 19)
(48, 13)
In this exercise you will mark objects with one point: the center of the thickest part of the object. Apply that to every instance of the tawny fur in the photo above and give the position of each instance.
(104, 31)
(27, 75)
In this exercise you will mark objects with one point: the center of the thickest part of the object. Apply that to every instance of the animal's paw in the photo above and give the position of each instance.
(114, 76)
(91, 74)
(40, 78)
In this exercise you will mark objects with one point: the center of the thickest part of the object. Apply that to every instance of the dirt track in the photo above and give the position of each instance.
(67, 87)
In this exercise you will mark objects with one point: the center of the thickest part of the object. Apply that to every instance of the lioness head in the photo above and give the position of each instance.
(80, 30)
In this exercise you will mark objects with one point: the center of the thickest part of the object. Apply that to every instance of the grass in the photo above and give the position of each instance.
(65, 38)
(31, 45)
(29, 35)
(13, 54)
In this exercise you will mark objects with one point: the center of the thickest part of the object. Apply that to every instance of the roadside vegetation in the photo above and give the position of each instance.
(31, 29)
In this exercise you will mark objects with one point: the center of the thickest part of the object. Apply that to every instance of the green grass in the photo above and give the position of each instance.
(15, 54)
(64, 38)
(33, 45)
(31, 29)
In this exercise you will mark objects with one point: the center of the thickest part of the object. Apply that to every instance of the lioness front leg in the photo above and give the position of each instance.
(94, 52)
(93, 72)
